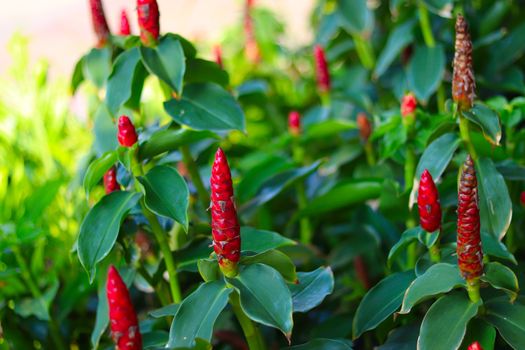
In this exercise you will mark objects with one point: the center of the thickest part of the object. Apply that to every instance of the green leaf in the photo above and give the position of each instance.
(402, 338)
(259, 241)
(507, 50)
(444, 325)
(487, 120)
(165, 311)
(409, 236)
(100, 228)
(425, 70)
(442, 8)
(493, 247)
(105, 131)
(154, 339)
(495, 206)
(312, 288)
(97, 169)
(264, 297)
(197, 314)
(501, 277)
(356, 16)
(166, 194)
(439, 278)
(209, 269)
(40, 198)
(126, 81)
(346, 193)
(509, 319)
(276, 259)
(78, 75)
(328, 128)
(97, 65)
(480, 331)
(398, 39)
(166, 61)
(202, 71)
(206, 106)
(323, 344)
(381, 301)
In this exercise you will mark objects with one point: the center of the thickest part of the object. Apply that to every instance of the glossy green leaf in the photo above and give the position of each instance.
(197, 314)
(409, 236)
(209, 269)
(480, 331)
(276, 259)
(202, 71)
(509, 319)
(259, 241)
(492, 246)
(439, 278)
(99, 230)
(206, 106)
(402, 338)
(264, 297)
(165, 311)
(154, 340)
(328, 128)
(97, 66)
(495, 206)
(381, 301)
(425, 70)
(398, 39)
(501, 277)
(445, 323)
(506, 51)
(105, 131)
(312, 288)
(78, 75)
(487, 119)
(324, 344)
(440, 7)
(166, 194)
(356, 16)
(97, 169)
(166, 61)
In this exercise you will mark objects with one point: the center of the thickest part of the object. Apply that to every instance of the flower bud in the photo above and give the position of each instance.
(522, 198)
(110, 180)
(463, 82)
(217, 52)
(428, 203)
(100, 25)
(321, 70)
(124, 23)
(127, 136)
(475, 346)
(148, 15)
(365, 128)
(294, 123)
(408, 105)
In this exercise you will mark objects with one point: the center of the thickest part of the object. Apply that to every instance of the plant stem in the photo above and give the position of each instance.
(441, 99)
(465, 136)
(191, 166)
(302, 200)
(473, 290)
(424, 21)
(364, 51)
(250, 330)
(369, 151)
(434, 251)
(410, 166)
(164, 299)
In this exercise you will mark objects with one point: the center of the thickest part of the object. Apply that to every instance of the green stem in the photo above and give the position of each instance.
(163, 298)
(465, 136)
(410, 167)
(473, 290)
(191, 166)
(364, 51)
(424, 21)
(369, 151)
(305, 225)
(435, 251)
(250, 330)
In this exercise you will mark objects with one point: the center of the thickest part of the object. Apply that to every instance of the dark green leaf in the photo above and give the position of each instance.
(501, 277)
(97, 169)
(356, 16)
(400, 37)
(328, 128)
(480, 331)
(259, 241)
(209, 269)
(440, 7)
(165, 311)
(487, 120)
(276, 259)
(402, 338)
(97, 65)
(324, 344)
(409, 236)
(105, 131)
(154, 339)
(202, 71)
(506, 51)
(425, 70)
(509, 319)
(78, 75)
(493, 247)
(312, 288)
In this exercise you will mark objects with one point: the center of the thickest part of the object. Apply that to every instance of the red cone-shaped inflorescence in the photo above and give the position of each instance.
(124, 23)
(428, 203)
(475, 346)
(127, 136)
(217, 52)
(365, 128)
(470, 256)
(100, 25)
(148, 14)
(463, 82)
(224, 222)
(522, 198)
(321, 70)
(110, 180)
(408, 105)
(294, 123)
(123, 319)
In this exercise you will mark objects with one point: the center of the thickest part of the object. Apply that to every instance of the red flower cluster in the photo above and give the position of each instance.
(124, 23)
(148, 14)
(100, 25)
(110, 180)
(365, 128)
(127, 136)
(475, 346)
(123, 319)
(224, 222)
(428, 203)
(294, 123)
(408, 105)
(321, 70)
(522, 198)
(463, 82)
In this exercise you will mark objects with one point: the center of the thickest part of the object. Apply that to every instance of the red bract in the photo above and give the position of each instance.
(224, 223)
(463, 82)
(475, 346)
(148, 14)
(428, 203)
(127, 136)
(217, 51)
(361, 271)
(365, 129)
(124, 23)
(522, 198)
(100, 25)
(110, 180)
(321, 70)
(470, 256)
(408, 105)
(294, 123)
(123, 319)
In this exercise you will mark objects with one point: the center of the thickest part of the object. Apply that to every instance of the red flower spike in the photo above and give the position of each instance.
(522, 198)
(148, 14)
(321, 70)
(294, 123)
(127, 136)
(110, 180)
(470, 255)
(224, 223)
(362, 271)
(124, 23)
(123, 319)
(475, 346)
(408, 105)
(365, 128)
(463, 82)
(428, 203)
(100, 25)
(217, 52)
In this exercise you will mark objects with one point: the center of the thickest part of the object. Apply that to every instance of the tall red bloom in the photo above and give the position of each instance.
(124, 23)
(321, 70)
(148, 14)
(224, 222)
(463, 82)
(470, 256)
(475, 346)
(217, 52)
(127, 136)
(294, 123)
(408, 105)
(428, 203)
(110, 180)
(365, 128)
(100, 25)
(123, 319)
